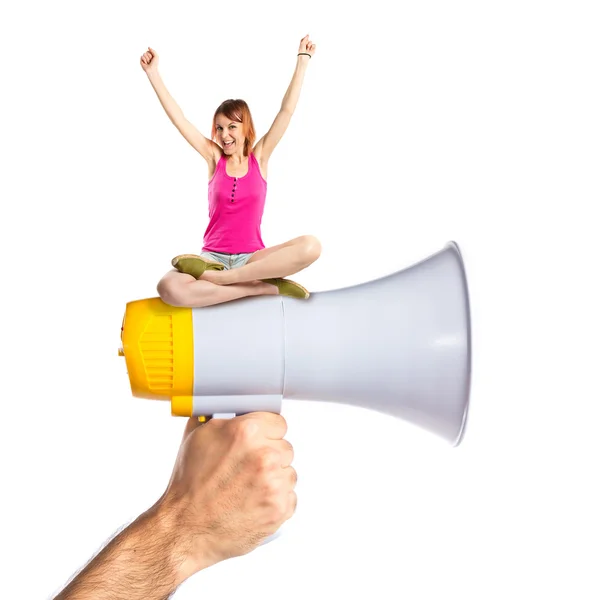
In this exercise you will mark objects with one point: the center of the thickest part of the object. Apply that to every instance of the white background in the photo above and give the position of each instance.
(418, 123)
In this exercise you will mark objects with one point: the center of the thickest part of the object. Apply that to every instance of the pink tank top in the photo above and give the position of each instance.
(235, 209)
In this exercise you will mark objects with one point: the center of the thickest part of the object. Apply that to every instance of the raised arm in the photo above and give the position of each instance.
(265, 146)
(207, 148)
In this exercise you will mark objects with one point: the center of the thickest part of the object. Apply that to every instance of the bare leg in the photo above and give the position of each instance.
(277, 261)
(180, 289)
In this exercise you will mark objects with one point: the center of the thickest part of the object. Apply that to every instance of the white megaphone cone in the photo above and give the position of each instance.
(400, 345)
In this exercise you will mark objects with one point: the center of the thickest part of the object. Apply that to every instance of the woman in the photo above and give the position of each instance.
(234, 262)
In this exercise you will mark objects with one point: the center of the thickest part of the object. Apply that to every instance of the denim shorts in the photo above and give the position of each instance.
(231, 261)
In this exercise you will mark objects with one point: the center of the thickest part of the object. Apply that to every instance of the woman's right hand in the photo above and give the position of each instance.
(149, 61)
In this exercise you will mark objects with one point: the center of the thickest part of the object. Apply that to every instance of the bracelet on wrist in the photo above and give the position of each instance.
(305, 53)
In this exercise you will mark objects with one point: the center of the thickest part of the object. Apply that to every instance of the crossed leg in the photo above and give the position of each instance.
(181, 289)
(278, 261)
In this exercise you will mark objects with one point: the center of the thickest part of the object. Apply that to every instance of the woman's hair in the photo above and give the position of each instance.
(237, 110)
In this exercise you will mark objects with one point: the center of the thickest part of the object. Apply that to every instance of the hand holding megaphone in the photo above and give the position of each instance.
(232, 487)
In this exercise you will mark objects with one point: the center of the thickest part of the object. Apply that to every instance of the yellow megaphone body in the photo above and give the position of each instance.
(400, 345)
(158, 345)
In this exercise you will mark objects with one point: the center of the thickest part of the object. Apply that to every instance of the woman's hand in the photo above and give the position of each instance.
(149, 61)
(307, 46)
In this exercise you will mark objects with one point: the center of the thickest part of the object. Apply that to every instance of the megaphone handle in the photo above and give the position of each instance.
(231, 416)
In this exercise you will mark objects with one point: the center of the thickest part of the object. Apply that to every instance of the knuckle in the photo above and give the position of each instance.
(279, 508)
(272, 490)
(243, 430)
(267, 459)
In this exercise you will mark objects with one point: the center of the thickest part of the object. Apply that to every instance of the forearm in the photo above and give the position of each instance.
(290, 100)
(144, 562)
(171, 107)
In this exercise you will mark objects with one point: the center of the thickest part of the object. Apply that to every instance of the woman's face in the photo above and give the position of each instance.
(230, 134)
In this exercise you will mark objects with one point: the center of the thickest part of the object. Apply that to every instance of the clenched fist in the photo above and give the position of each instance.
(307, 46)
(149, 60)
(232, 486)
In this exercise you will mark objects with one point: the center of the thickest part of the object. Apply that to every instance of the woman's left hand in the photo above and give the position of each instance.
(307, 46)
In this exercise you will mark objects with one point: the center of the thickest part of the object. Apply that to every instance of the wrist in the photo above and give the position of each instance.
(156, 535)
(146, 561)
(302, 64)
(152, 74)
(186, 554)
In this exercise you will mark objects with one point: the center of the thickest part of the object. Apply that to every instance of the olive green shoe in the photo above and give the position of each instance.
(195, 265)
(287, 287)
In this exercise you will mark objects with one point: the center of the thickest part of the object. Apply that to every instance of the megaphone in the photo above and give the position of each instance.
(400, 345)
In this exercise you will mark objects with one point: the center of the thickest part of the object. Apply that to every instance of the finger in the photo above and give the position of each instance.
(293, 503)
(286, 450)
(292, 476)
(272, 425)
